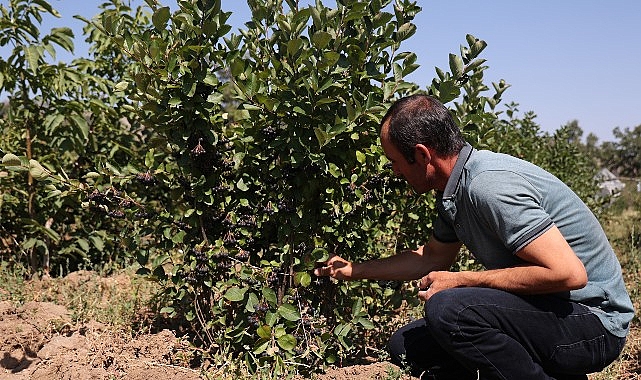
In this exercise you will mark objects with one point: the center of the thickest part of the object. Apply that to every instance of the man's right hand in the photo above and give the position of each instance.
(336, 267)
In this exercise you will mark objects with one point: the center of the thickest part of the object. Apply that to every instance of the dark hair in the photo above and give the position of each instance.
(421, 119)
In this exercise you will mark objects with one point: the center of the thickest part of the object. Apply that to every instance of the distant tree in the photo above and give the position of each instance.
(591, 141)
(574, 132)
(608, 156)
(628, 146)
(592, 148)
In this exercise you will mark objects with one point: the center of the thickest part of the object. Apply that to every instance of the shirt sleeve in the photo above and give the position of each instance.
(510, 206)
(443, 231)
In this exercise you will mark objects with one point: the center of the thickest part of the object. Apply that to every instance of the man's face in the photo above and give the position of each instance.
(415, 173)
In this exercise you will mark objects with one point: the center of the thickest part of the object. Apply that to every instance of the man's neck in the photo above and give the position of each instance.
(443, 167)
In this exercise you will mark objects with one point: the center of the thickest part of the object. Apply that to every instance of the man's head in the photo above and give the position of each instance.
(421, 119)
(421, 140)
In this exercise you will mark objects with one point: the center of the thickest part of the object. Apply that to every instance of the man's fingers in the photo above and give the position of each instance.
(323, 271)
(425, 294)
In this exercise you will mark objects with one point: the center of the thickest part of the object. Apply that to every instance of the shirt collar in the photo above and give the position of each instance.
(457, 171)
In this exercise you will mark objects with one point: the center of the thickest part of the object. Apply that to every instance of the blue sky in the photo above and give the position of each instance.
(565, 60)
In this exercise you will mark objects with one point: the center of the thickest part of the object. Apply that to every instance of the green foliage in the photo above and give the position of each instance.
(622, 155)
(60, 123)
(270, 170)
(268, 150)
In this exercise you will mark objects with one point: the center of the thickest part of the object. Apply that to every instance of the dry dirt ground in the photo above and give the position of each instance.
(40, 341)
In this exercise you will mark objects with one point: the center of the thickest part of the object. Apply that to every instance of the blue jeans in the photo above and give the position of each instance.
(471, 333)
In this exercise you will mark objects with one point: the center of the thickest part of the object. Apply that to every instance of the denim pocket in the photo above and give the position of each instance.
(581, 357)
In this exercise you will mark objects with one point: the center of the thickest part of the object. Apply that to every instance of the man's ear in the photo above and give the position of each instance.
(422, 154)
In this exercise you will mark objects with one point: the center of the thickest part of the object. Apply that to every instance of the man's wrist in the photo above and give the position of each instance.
(357, 269)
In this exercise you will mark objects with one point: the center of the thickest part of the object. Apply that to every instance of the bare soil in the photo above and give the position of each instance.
(40, 340)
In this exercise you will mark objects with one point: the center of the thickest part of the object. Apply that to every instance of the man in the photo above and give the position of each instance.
(551, 303)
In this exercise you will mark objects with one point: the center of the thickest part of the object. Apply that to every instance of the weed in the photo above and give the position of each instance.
(621, 223)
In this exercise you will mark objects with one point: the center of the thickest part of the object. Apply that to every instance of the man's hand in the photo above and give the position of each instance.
(436, 281)
(336, 267)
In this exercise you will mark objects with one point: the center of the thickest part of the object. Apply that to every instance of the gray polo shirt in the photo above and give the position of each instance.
(496, 204)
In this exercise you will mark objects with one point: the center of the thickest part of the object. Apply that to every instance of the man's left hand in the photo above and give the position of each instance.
(436, 281)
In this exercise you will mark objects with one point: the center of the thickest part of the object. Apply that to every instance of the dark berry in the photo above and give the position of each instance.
(116, 214)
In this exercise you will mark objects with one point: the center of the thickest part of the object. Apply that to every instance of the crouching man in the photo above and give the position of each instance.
(551, 303)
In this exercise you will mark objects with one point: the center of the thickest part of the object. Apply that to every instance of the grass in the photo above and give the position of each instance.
(622, 224)
(121, 301)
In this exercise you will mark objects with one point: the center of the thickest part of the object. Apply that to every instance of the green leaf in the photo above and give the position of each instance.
(289, 312)
(405, 31)
(334, 170)
(160, 260)
(476, 45)
(345, 342)
(32, 54)
(287, 342)
(261, 346)
(270, 296)
(97, 242)
(53, 121)
(271, 318)
(82, 125)
(320, 39)
(252, 301)
(84, 244)
(329, 59)
(160, 18)
(178, 237)
(302, 278)
(322, 136)
(320, 255)
(366, 323)
(356, 307)
(448, 91)
(63, 37)
(294, 46)
(264, 332)
(342, 330)
(149, 158)
(37, 171)
(456, 65)
(121, 86)
(10, 159)
(235, 294)
(241, 185)
(474, 65)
